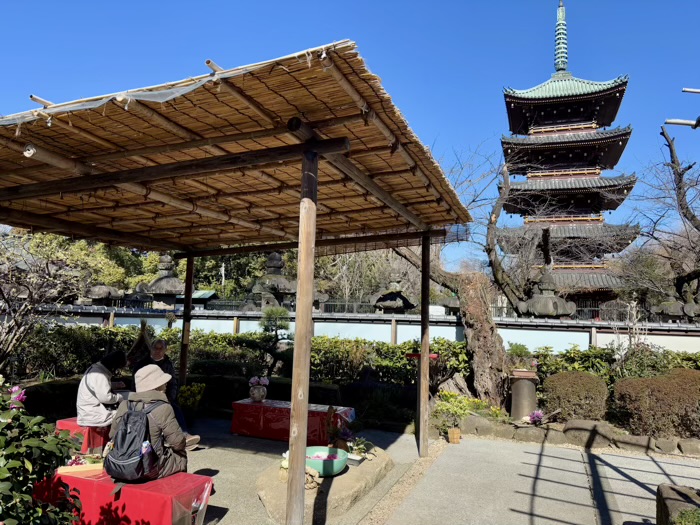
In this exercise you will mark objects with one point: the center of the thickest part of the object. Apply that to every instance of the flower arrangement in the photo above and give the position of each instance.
(190, 396)
(258, 381)
(536, 417)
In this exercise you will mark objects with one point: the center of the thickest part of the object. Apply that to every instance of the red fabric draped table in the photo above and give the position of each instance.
(180, 499)
(94, 438)
(269, 419)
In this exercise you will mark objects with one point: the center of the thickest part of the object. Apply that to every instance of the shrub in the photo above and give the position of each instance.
(666, 405)
(579, 395)
(688, 517)
(30, 451)
(450, 409)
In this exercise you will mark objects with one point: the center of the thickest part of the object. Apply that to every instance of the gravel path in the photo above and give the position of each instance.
(383, 510)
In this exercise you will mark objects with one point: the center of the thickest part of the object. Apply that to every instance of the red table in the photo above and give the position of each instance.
(269, 419)
(94, 438)
(180, 499)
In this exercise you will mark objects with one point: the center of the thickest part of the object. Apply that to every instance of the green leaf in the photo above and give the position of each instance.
(13, 464)
(11, 521)
(4, 473)
(5, 487)
(28, 464)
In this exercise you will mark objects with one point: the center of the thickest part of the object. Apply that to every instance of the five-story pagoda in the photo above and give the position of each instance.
(561, 141)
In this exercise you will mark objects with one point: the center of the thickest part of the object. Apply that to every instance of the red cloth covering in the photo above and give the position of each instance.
(269, 419)
(169, 501)
(93, 437)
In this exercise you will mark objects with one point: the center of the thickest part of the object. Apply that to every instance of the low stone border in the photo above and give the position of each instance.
(332, 498)
(671, 500)
(582, 433)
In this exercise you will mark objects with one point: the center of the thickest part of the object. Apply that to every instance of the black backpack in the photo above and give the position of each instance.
(126, 461)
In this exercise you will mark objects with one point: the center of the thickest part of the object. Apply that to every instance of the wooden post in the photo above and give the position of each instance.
(593, 340)
(236, 325)
(394, 331)
(186, 320)
(111, 319)
(424, 361)
(302, 340)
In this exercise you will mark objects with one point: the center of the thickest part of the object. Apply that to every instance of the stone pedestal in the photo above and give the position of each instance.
(523, 393)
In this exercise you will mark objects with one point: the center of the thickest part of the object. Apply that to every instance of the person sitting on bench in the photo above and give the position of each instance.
(158, 356)
(96, 402)
(166, 436)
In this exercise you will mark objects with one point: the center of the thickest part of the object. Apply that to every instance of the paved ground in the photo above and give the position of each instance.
(502, 482)
(236, 461)
(485, 482)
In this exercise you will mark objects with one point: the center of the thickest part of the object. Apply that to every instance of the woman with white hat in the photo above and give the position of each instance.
(166, 436)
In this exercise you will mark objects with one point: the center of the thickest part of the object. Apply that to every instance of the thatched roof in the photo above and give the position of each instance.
(128, 167)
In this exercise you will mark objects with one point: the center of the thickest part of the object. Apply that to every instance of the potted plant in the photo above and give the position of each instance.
(189, 398)
(258, 388)
(450, 409)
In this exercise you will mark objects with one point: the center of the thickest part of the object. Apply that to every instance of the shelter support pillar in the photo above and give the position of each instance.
(424, 361)
(236, 325)
(302, 340)
(394, 331)
(593, 340)
(186, 319)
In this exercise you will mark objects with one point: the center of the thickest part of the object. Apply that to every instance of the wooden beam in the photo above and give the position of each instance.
(423, 412)
(146, 113)
(240, 96)
(373, 119)
(160, 172)
(139, 189)
(304, 132)
(25, 219)
(186, 320)
(303, 333)
(331, 241)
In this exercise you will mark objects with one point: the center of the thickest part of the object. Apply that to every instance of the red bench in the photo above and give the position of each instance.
(269, 419)
(180, 499)
(93, 438)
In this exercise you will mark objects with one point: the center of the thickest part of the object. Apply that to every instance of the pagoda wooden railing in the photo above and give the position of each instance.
(564, 218)
(535, 130)
(571, 172)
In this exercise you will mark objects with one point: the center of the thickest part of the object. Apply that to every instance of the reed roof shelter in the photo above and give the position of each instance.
(306, 151)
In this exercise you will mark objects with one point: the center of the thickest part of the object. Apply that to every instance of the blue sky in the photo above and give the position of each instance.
(444, 63)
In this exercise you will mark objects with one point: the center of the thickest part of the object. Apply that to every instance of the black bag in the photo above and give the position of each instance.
(126, 461)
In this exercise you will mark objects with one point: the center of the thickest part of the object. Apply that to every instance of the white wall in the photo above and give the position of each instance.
(678, 343)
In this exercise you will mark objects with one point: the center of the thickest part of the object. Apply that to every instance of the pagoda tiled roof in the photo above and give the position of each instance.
(586, 281)
(568, 138)
(564, 85)
(572, 183)
(567, 231)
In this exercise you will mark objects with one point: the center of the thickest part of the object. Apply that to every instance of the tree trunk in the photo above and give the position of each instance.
(480, 332)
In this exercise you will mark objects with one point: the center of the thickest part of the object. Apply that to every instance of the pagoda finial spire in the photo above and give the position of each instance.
(561, 49)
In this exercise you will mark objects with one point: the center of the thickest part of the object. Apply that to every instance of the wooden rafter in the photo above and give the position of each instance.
(22, 218)
(303, 132)
(175, 170)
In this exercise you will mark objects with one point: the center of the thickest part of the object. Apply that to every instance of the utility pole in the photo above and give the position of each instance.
(680, 122)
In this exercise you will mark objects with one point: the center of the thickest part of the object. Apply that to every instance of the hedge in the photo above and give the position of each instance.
(661, 406)
(579, 395)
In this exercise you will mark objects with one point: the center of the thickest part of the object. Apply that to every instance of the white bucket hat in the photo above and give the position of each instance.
(150, 377)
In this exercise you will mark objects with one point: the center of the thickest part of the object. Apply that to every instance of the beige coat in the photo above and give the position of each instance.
(94, 394)
(167, 438)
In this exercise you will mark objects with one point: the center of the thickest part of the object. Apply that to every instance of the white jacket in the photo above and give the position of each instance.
(94, 392)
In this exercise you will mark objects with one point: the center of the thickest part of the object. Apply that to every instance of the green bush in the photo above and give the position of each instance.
(30, 452)
(661, 406)
(688, 517)
(64, 350)
(579, 395)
